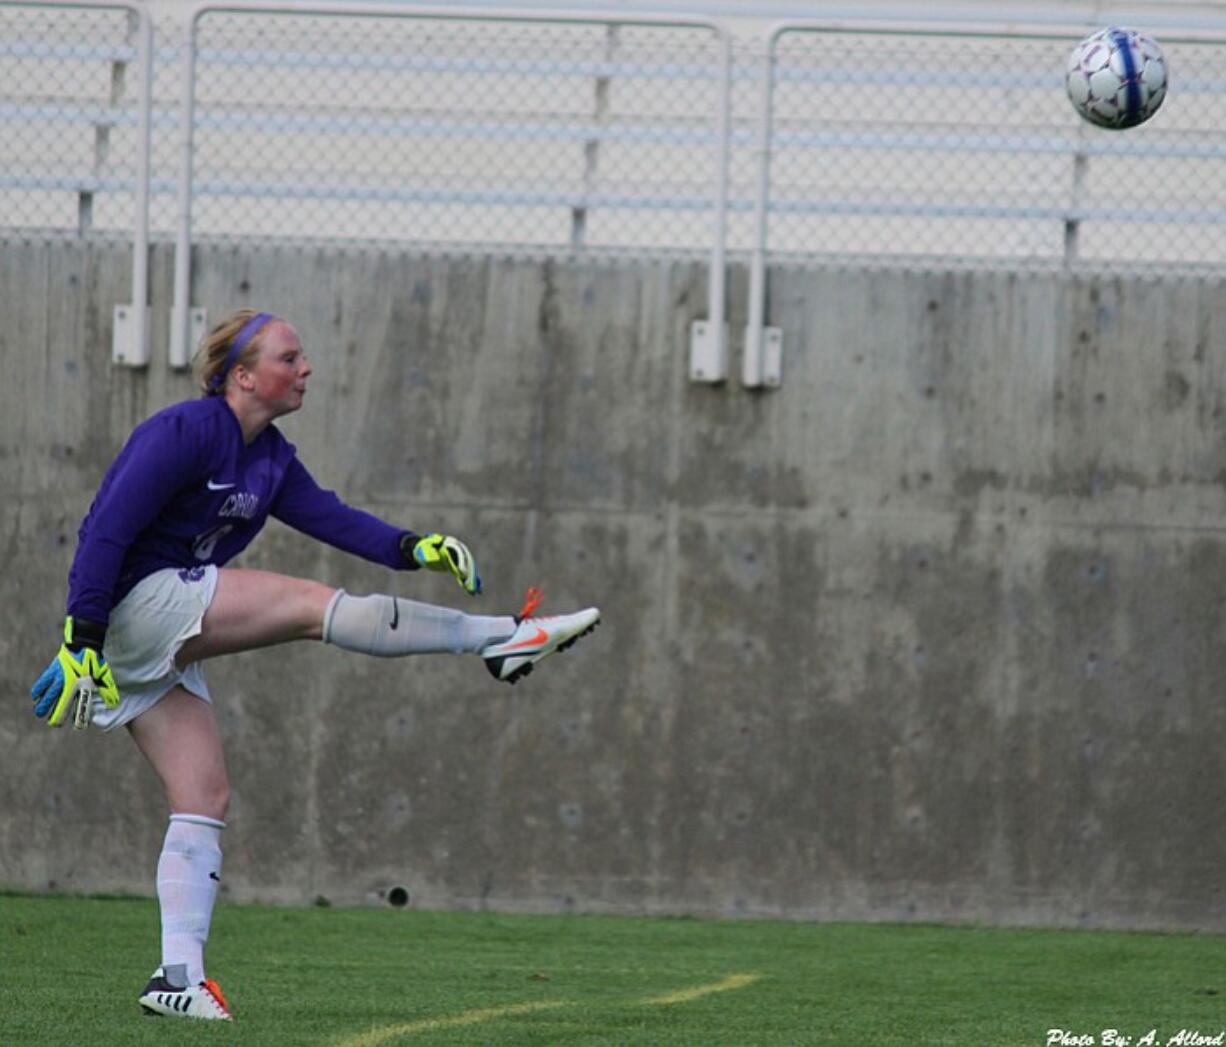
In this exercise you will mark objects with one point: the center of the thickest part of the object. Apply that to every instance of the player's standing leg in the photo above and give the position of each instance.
(179, 738)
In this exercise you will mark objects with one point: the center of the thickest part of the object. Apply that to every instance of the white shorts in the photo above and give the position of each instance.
(146, 630)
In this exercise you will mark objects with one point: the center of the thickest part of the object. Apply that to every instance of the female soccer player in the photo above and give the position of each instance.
(150, 598)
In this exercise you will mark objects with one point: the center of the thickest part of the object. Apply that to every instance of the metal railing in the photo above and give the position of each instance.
(956, 143)
(869, 140)
(62, 157)
(511, 152)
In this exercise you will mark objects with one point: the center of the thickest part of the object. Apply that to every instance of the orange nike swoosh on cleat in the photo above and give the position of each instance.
(540, 637)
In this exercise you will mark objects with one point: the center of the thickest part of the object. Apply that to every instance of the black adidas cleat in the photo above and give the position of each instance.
(169, 994)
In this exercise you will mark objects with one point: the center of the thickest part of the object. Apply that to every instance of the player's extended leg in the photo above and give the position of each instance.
(253, 609)
(179, 738)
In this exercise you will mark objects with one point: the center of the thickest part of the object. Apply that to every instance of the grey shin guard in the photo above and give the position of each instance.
(390, 627)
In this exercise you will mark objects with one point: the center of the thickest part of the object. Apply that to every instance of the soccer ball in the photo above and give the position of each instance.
(1116, 78)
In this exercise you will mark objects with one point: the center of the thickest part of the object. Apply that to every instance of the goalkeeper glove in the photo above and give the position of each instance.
(68, 685)
(441, 552)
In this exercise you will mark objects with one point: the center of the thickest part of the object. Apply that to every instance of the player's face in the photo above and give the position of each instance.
(281, 369)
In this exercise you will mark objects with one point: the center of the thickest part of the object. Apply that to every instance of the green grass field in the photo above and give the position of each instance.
(71, 968)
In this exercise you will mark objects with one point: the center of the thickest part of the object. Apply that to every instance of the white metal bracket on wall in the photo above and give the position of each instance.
(708, 351)
(762, 362)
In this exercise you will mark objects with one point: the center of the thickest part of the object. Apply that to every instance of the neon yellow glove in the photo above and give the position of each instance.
(441, 552)
(75, 675)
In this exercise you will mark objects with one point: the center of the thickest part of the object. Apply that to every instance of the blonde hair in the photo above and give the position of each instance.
(214, 347)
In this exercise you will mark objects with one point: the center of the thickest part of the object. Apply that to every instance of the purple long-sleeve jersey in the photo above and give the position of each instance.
(186, 491)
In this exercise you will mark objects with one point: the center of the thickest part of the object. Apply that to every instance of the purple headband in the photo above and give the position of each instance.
(245, 333)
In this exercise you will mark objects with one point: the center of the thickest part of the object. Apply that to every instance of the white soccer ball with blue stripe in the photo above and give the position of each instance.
(1116, 78)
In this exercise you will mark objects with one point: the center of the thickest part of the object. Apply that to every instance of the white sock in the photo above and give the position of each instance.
(189, 873)
(389, 627)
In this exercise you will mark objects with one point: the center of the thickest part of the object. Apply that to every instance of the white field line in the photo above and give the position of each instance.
(733, 981)
(477, 1017)
(374, 1037)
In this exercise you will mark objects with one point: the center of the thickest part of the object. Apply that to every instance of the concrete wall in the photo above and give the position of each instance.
(933, 632)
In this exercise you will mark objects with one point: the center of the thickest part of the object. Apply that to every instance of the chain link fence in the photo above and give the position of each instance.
(922, 145)
(524, 135)
(70, 83)
(556, 137)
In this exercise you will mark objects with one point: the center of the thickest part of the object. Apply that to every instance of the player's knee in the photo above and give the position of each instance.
(210, 796)
(217, 799)
(221, 797)
(312, 604)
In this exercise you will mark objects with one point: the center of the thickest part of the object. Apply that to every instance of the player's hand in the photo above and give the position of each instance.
(75, 675)
(441, 552)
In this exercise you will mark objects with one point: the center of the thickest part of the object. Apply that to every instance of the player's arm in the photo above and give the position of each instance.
(304, 505)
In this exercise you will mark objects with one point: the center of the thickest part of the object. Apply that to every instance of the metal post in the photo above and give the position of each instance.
(591, 148)
(718, 283)
(709, 337)
(751, 362)
(181, 308)
(1072, 222)
(140, 236)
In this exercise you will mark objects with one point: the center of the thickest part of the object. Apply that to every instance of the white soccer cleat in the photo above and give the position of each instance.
(166, 996)
(534, 639)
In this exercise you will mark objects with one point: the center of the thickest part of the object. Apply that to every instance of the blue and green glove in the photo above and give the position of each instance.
(67, 686)
(441, 552)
